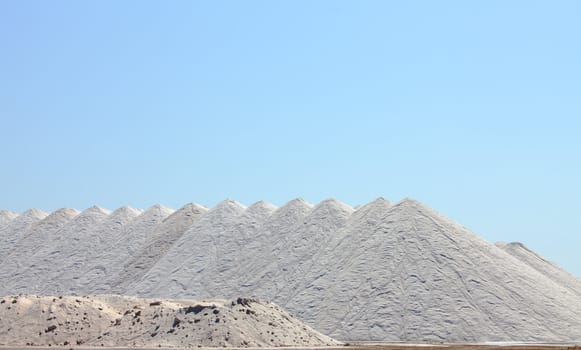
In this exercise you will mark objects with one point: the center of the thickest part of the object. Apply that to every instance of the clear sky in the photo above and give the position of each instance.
(472, 107)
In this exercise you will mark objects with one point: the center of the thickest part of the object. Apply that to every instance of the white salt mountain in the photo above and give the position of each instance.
(399, 272)
(108, 320)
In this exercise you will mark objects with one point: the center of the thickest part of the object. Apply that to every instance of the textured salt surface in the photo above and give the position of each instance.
(416, 276)
(543, 265)
(155, 247)
(394, 272)
(46, 272)
(14, 230)
(83, 264)
(19, 255)
(109, 320)
(192, 253)
(126, 244)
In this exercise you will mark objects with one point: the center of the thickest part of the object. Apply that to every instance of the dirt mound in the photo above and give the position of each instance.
(109, 320)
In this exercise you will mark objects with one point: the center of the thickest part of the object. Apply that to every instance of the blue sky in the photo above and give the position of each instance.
(472, 107)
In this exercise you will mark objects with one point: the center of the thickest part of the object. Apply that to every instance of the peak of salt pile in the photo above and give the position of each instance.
(289, 214)
(371, 211)
(252, 218)
(34, 214)
(385, 271)
(227, 207)
(62, 215)
(543, 266)
(126, 212)
(332, 207)
(6, 216)
(96, 210)
(261, 208)
(21, 222)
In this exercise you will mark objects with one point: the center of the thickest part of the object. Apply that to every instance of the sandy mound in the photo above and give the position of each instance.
(109, 320)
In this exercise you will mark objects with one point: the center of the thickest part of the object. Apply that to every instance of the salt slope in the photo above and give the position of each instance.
(156, 246)
(48, 259)
(14, 230)
(416, 276)
(80, 264)
(544, 266)
(228, 245)
(313, 291)
(109, 320)
(192, 256)
(128, 244)
(264, 245)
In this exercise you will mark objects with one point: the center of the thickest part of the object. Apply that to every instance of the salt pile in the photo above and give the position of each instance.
(393, 272)
(108, 320)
